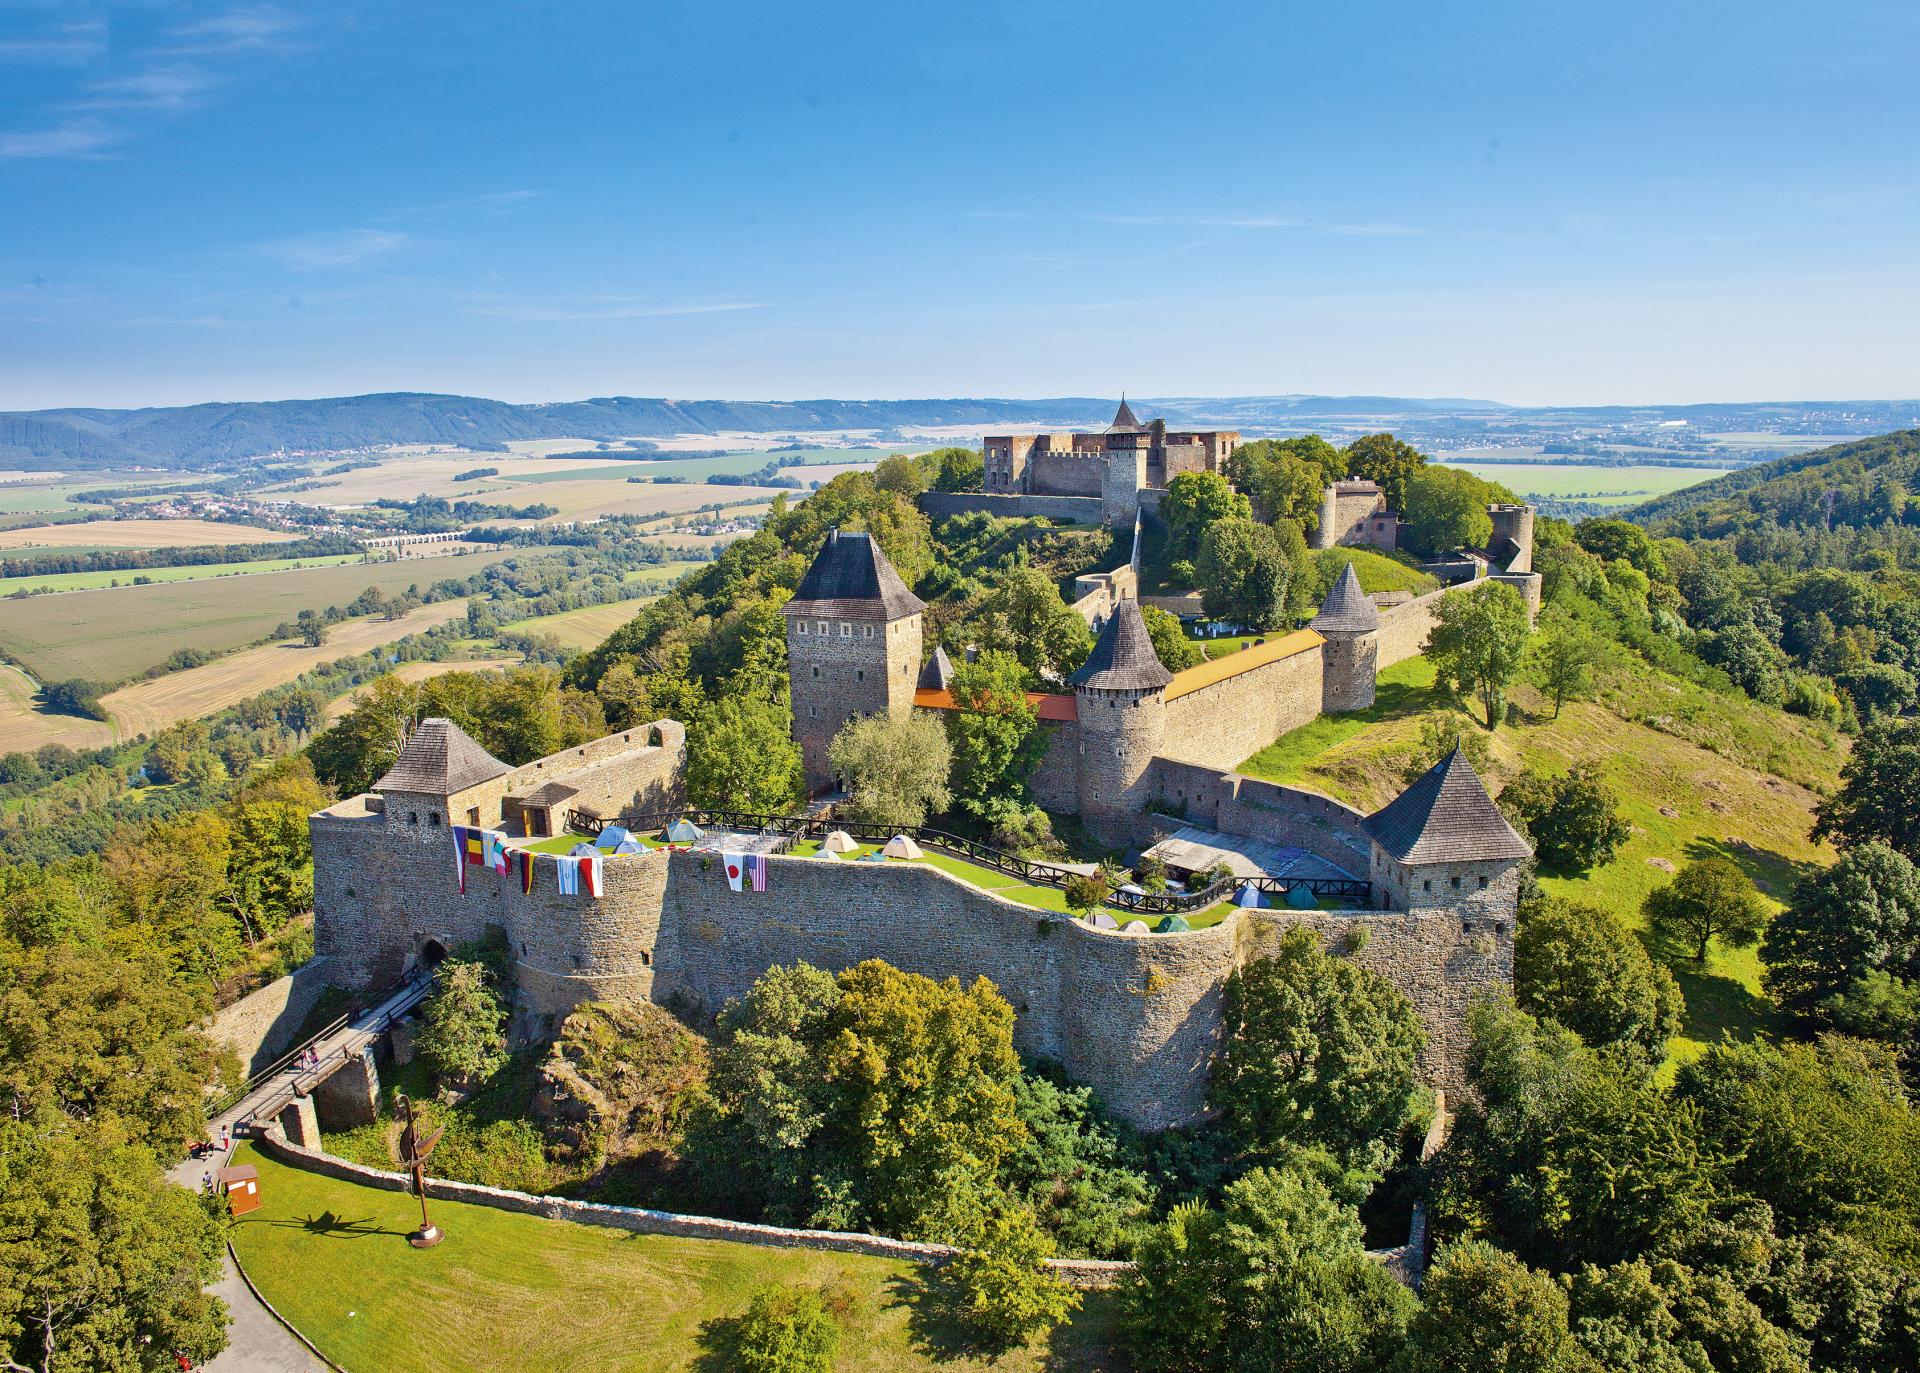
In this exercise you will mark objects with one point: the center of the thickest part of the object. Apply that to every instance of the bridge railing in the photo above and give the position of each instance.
(792, 829)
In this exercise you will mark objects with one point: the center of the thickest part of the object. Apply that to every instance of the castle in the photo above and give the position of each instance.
(1114, 465)
(1143, 756)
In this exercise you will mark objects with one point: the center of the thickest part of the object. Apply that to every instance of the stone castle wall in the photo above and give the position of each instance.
(260, 1026)
(1225, 724)
(1404, 627)
(1136, 1017)
(1064, 474)
(1234, 803)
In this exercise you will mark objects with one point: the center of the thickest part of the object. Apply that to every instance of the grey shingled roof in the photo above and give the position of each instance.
(1446, 817)
(439, 760)
(851, 578)
(1123, 658)
(1123, 420)
(1347, 609)
(937, 675)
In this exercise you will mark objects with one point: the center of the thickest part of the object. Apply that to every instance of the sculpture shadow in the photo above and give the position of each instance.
(327, 1225)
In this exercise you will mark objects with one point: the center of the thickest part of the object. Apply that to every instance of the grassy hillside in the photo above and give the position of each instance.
(1697, 774)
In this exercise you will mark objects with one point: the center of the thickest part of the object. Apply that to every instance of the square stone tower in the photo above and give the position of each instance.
(1442, 845)
(853, 645)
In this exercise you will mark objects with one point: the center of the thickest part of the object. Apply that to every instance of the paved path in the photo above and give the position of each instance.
(255, 1339)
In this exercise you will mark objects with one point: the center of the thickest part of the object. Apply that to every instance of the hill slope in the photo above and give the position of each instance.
(1852, 485)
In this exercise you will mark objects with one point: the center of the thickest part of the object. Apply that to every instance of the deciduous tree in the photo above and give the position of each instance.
(1576, 964)
(1477, 641)
(894, 766)
(1708, 898)
(741, 756)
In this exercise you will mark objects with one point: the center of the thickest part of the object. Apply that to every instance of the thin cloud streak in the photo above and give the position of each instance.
(535, 312)
(78, 138)
(258, 28)
(327, 250)
(69, 45)
(158, 88)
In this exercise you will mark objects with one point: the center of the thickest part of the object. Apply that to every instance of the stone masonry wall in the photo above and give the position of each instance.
(1404, 627)
(259, 1027)
(1287, 816)
(1064, 474)
(1137, 1018)
(940, 505)
(1225, 724)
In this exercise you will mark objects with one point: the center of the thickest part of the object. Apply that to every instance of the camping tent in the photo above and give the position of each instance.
(1300, 896)
(1102, 921)
(901, 847)
(629, 846)
(612, 837)
(684, 831)
(839, 842)
(1252, 897)
(582, 850)
(1174, 924)
(1135, 927)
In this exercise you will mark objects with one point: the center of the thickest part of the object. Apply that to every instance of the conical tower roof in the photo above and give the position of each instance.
(852, 579)
(1446, 817)
(440, 759)
(1123, 658)
(937, 675)
(1123, 420)
(1347, 609)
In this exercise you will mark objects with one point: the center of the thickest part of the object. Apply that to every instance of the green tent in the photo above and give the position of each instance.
(1173, 924)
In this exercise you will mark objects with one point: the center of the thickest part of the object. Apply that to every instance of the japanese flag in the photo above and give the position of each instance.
(735, 869)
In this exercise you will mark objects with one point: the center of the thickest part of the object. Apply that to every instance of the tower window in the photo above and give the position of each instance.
(816, 670)
(1456, 884)
(825, 628)
(846, 630)
(800, 626)
(859, 674)
(1428, 884)
(413, 817)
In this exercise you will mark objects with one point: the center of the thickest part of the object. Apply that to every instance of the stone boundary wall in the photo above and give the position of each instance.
(1137, 1018)
(1228, 722)
(1404, 627)
(1081, 1273)
(260, 1026)
(939, 505)
(1288, 816)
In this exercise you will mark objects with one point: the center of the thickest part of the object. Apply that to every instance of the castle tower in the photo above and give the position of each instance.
(440, 778)
(1350, 659)
(1510, 547)
(853, 645)
(1442, 846)
(1120, 693)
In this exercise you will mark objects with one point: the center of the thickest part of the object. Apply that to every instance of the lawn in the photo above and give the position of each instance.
(112, 635)
(94, 581)
(1695, 773)
(514, 1291)
(1377, 571)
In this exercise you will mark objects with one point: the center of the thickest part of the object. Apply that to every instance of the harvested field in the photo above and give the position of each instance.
(22, 727)
(139, 534)
(147, 707)
(585, 628)
(417, 672)
(115, 634)
(579, 499)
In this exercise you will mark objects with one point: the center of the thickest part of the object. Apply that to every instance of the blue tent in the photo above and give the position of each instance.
(613, 836)
(629, 846)
(1252, 897)
(1300, 896)
(582, 850)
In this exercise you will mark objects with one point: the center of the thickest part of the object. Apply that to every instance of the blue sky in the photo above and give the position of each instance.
(1533, 202)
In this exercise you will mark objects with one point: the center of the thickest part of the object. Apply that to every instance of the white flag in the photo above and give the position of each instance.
(735, 869)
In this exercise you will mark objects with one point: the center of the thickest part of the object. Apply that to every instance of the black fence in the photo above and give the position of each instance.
(792, 829)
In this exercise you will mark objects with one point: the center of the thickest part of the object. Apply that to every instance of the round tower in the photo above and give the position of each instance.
(1120, 694)
(1350, 659)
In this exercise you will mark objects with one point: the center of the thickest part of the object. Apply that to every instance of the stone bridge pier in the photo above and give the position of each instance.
(347, 1097)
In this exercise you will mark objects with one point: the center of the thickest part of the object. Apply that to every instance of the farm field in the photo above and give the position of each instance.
(40, 496)
(150, 705)
(584, 628)
(1602, 485)
(22, 727)
(198, 572)
(1696, 774)
(584, 499)
(339, 706)
(515, 1291)
(111, 635)
(137, 534)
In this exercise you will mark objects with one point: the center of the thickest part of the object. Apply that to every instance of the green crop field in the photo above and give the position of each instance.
(1602, 485)
(514, 1291)
(111, 635)
(93, 581)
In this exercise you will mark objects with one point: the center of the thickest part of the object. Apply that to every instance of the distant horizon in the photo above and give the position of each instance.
(1004, 399)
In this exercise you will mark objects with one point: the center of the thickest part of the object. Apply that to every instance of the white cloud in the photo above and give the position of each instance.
(157, 88)
(563, 309)
(255, 28)
(324, 250)
(75, 138)
(66, 45)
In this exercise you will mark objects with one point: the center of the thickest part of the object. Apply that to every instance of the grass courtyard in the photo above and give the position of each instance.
(521, 1292)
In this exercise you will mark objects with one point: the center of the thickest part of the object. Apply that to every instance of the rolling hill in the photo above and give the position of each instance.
(1854, 485)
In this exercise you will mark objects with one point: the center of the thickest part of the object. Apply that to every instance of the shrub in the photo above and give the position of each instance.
(787, 1330)
(1005, 1289)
